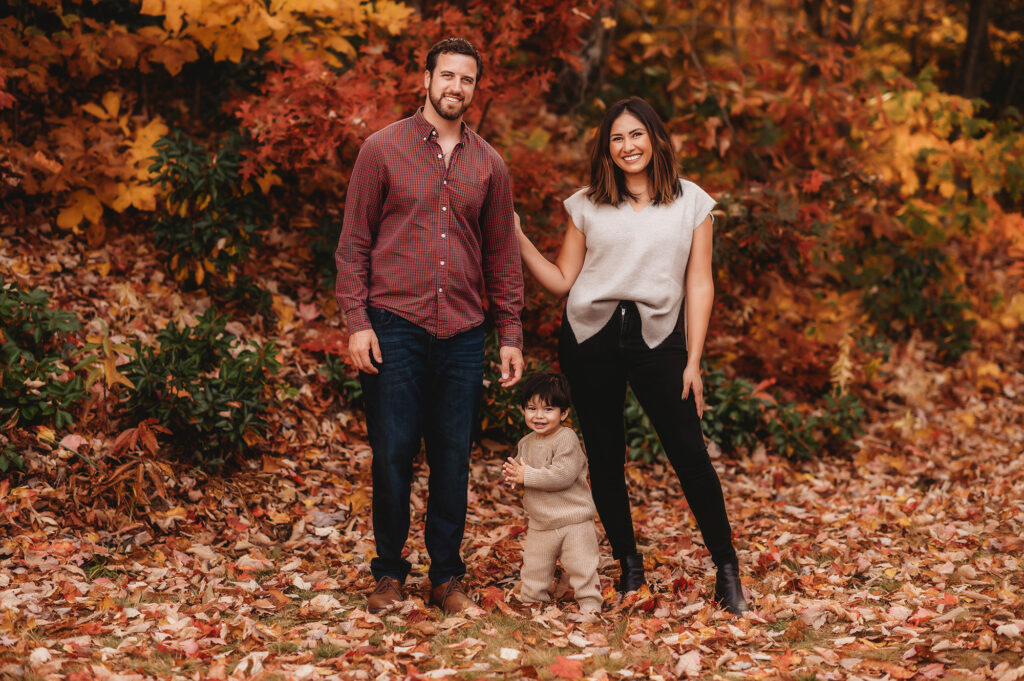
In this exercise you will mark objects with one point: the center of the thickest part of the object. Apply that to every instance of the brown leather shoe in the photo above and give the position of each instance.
(388, 592)
(451, 596)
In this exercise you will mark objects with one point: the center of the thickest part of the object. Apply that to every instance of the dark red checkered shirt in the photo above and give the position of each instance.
(421, 239)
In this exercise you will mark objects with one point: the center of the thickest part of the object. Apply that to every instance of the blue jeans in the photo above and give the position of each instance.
(427, 388)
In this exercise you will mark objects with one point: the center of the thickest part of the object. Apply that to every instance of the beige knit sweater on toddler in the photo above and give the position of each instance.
(555, 488)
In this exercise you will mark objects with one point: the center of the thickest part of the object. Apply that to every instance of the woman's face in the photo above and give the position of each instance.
(630, 144)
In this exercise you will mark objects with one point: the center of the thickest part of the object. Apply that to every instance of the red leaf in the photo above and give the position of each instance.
(564, 668)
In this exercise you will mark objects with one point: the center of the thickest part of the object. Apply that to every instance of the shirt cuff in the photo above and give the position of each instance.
(512, 335)
(357, 320)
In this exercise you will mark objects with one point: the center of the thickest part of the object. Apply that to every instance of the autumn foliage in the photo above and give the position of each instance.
(184, 475)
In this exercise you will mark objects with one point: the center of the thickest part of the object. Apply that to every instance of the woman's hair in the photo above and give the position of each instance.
(549, 388)
(608, 182)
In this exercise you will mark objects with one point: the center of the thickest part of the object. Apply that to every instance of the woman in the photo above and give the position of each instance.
(637, 244)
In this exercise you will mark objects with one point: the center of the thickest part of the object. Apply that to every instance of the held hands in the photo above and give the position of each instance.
(513, 472)
(691, 380)
(512, 365)
(362, 345)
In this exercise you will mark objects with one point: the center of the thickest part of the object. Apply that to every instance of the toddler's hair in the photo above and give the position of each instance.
(548, 387)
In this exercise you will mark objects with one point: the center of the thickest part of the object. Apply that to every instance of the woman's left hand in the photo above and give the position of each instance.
(691, 381)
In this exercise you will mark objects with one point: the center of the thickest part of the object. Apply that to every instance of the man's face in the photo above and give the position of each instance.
(450, 87)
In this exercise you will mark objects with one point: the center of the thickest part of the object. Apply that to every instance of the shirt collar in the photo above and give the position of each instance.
(425, 129)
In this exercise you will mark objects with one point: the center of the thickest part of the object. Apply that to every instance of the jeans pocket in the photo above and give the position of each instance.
(380, 318)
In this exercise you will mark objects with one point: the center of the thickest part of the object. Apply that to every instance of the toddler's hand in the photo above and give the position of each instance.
(513, 472)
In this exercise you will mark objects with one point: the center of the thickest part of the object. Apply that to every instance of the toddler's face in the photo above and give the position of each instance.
(542, 418)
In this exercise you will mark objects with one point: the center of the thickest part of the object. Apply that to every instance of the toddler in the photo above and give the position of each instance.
(552, 468)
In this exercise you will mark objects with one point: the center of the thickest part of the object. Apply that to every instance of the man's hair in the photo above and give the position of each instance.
(550, 388)
(454, 46)
(608, 182)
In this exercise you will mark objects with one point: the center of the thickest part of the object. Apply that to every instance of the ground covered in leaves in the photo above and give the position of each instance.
(900, 561)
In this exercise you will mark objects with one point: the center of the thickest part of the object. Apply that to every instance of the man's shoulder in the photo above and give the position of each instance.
(490, 153)
(392, 133)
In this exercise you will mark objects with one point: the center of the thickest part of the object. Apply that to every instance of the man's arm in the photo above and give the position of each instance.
(352, 258)
(503, 272)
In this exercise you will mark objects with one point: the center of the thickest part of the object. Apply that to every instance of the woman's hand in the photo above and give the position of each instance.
(692, 381)
(519, 224)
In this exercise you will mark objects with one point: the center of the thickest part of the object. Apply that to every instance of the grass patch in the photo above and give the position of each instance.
(96, 569)
(283, 647)
(324, 651)
(265, 574)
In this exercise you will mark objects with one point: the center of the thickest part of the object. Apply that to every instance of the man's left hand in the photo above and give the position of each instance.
(512, 365)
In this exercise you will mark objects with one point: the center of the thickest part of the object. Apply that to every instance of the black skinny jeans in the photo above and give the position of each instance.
(598, 370)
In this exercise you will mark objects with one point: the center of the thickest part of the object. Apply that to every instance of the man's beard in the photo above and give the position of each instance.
(447, 114)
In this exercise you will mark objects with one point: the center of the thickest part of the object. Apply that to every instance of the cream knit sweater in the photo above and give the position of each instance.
(634, 255)
(555, 488)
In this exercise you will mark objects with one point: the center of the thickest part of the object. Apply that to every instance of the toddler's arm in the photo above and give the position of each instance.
(563, 470)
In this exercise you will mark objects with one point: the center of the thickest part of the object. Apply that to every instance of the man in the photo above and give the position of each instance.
(428, 223)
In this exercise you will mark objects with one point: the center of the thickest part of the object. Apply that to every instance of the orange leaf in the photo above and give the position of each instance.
(564, 668)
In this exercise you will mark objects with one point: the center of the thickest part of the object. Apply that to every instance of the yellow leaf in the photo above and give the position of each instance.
(96, 111)
(172, 15)
(46, 435)
(267, 181)
(152, 7)
(200, 274)
(141, 196)
(112, 103)
(392, 16)
(70, 217)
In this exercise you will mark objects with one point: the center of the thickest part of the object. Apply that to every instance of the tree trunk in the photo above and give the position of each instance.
(812, 8)
(976, 49)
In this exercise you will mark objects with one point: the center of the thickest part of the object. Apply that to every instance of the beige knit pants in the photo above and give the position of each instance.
(576, 545)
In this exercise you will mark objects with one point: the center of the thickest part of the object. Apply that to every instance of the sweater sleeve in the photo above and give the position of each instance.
(566, 464)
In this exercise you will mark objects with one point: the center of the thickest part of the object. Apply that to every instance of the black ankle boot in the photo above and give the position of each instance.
(632, 577)
(728, 591)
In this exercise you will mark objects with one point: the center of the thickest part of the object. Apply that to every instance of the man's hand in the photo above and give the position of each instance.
(513, 471)
(361, 346)
(512, 365)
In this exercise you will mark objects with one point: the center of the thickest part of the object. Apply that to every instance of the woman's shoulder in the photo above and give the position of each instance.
(577, 196)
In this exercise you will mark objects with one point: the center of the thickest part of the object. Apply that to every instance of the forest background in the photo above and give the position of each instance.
(173, 175)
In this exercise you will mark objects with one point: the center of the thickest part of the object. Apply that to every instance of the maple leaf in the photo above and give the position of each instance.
(565, 668)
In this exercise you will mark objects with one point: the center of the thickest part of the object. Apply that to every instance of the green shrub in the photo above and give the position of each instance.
(499, 410)
(740, 416)
(906, 287)
(735, 411)
(211, 217)
(203, 384)
(37, 378)
(341, 377)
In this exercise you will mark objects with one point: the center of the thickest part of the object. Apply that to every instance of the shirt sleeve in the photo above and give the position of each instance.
(363, 204)
(575, 206)
(703, 203)
(566, 465)
(502, 266)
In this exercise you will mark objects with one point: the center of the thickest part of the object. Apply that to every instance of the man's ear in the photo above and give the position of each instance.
(426, 80)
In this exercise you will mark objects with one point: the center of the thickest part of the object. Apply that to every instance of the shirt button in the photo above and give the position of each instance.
(444, 207)
(439, 290)
(440, 155)
(443, 235)
(444, 181)
(442, 262)
(424, 139)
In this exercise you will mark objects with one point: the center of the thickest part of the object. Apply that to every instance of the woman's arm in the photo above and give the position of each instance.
(700, 294)
(559, 276)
